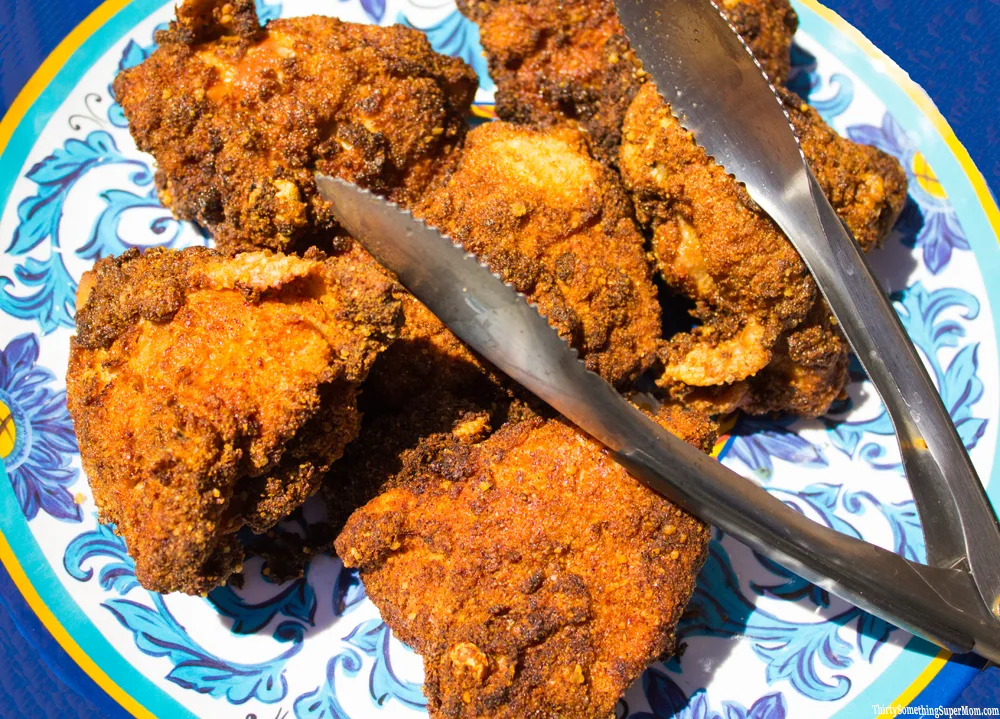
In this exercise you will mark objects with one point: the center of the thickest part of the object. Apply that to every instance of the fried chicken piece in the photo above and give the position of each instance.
(210, 393)
(388, 435)
(808, 371)
(558, 60)
(557, 225)
(714, 245)
(866, 186)
(238, 118)
(535, 576)
(427, 360)
(554, 61)
(371, 460)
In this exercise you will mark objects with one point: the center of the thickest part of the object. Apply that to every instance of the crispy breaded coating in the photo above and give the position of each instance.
(427, 360)
(713, 244)
(767, 27)
(752, 291)
(866, 186)
(554, 61)
(557, 225)
(808, 371)
(198, 21)
(389, 434)
(535, 576)
(210, 393)
(238, 120)
(372, 459)
(558, 60)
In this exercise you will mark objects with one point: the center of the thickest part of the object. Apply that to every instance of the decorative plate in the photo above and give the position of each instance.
(761, 643)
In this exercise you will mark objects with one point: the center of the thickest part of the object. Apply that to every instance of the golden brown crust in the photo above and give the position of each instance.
(559, 60)
(427, 360)
(534, 575)
(557, 225)
(713, 244)
(206, 20)
(866, 186)
(210, 392)
(372, 460)
(808, 372)
(238, 124)
(767, 27)
(751, 289)
(554, 61)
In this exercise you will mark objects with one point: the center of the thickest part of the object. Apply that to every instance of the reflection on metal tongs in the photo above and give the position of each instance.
(704, 70)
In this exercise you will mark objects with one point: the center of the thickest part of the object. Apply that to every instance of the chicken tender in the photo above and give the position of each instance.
(808, 370)
(554, 60)
(866, 186)
(557, 225)
(211, 392)
(714, 245)
(534, 575)
(239, 118)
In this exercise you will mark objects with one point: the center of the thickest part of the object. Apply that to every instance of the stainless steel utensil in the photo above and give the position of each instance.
(941, 603)
(718, 91)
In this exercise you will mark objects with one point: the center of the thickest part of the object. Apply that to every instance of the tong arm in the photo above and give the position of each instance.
(960, 529)
(941, 604)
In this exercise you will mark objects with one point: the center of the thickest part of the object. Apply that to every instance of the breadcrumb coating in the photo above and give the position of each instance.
(535, 576)
(559, 60)
(427, 361)
(211, 392)
(240, 117)
(752, 291)
(556, 224)
(713, 244)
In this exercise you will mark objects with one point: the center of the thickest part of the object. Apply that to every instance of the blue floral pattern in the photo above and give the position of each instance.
(296, 601)
(157, 632)
(667, 701)
(928, 221)
(925, 318)
(46, 289)
(755, 441)
(830, 97)
(37, 442)
(372, 638)
(807, 655)
(322, 702)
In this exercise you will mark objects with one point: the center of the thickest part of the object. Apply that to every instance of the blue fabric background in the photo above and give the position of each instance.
(952, 49)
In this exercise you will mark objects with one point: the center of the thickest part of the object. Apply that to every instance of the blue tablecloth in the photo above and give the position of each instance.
(952, 49)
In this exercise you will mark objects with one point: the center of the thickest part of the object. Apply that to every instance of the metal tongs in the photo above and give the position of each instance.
(719, 92)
